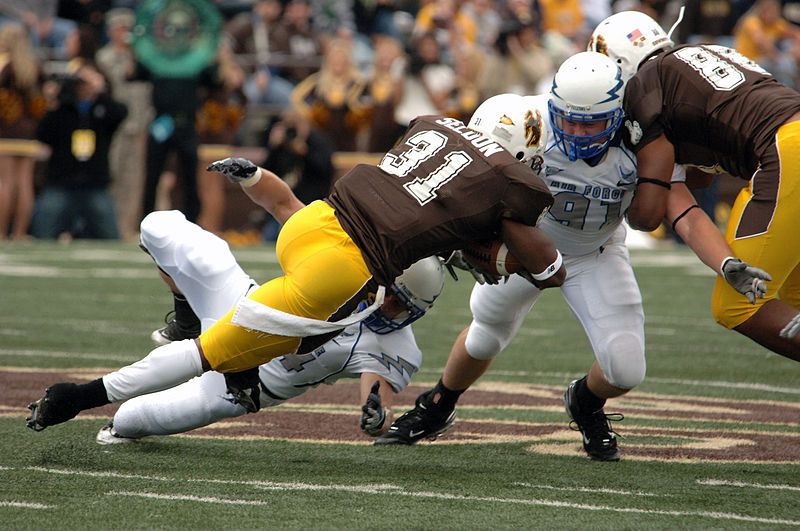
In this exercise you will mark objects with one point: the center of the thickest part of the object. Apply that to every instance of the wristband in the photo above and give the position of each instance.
(641, 180)
(725, 261)
(250, 181)
(550, 270)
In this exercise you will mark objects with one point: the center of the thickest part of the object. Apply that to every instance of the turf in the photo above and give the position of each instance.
(93, 306)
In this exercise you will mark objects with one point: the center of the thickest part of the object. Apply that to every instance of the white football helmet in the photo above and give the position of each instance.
(417, 288)
(628, 37)
(588, 87)
(512, 122)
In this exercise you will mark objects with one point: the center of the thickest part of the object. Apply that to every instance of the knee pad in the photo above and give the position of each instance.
(624, 364)
(484, 342)
(158, 228)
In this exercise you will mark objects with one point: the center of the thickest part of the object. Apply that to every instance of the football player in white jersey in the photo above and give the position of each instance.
(381, 350)
(592, 176)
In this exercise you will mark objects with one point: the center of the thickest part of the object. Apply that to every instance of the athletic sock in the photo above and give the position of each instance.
(587, 400)
(184, 315)
(443, 400)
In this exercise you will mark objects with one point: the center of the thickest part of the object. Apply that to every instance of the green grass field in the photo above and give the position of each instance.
(93, 306)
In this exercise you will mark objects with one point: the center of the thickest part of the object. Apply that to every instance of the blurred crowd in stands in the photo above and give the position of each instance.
(304, 81)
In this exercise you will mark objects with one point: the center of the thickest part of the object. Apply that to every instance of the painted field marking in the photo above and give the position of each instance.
(184, 497)
(587, 489)
(398, 491)
(25, 505)
(727, 483)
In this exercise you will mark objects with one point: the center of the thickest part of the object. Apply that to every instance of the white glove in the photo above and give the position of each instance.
(456, 259)
(744, 278)
(372, 413)
(791, 329)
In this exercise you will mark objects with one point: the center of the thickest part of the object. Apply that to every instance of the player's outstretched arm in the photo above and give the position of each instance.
(262, 186)
(704, 238)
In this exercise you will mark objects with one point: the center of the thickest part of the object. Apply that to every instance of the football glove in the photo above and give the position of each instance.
(790, 330)
(746, 279)
(244, 387)
(456, 259)
(372, 413)
(234, 168)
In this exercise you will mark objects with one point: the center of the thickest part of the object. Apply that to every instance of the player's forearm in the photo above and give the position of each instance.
(704, 238)
(274, 195)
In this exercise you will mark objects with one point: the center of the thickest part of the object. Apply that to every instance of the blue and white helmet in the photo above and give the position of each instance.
(588, 87)
(416, 288)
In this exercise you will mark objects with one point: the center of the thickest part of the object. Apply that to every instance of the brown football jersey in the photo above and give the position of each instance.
(441, 187)
(718, 108)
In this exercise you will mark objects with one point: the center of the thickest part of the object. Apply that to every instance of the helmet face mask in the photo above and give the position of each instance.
(509, 120)
(414, 292)
(628, 37)
(587, 89)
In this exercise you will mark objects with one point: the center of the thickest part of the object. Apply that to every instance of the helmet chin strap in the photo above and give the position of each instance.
(675, 26)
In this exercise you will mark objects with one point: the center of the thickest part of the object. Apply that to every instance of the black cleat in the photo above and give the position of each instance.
(417, 424)
(599, 439)
(173, 331)
(59, 404)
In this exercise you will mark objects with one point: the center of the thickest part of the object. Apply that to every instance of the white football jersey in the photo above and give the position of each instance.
(590, 201)
(395, 357)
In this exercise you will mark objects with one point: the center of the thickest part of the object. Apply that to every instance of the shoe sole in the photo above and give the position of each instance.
(431, 436)
(32, 421)
(105, 437)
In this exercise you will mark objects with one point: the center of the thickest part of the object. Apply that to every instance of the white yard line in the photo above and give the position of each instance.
(399, 491)
(726, 483)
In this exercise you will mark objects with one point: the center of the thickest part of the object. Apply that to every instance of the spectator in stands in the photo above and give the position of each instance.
(488, 21)
(330, 98)
(448, 23)
(767, 38)
(219, 119)
(385, 17)
(300, 47)
(176, 101)
(565, 17)
(259, 34)
(429, 81)
(707, 21)
(302, 156)
(382, 94)
(47, 32)
(22, 105)
(518, 63)
(468, 62)
(75, 197)
(82, 43)
(129, 145)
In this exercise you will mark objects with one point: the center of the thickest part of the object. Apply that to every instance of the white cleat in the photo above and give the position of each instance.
(107, 435)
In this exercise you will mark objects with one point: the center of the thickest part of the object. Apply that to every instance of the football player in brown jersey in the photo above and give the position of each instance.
(709, 107)
(442, 187)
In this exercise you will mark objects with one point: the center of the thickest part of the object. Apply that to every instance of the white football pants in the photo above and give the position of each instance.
(601, 290)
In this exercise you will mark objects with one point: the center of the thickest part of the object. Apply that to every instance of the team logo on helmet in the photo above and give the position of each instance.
(506, 120)
(600, 46)
(533, 128)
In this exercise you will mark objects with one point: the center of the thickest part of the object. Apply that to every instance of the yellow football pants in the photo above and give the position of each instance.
(324, 272)
(777, 248)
